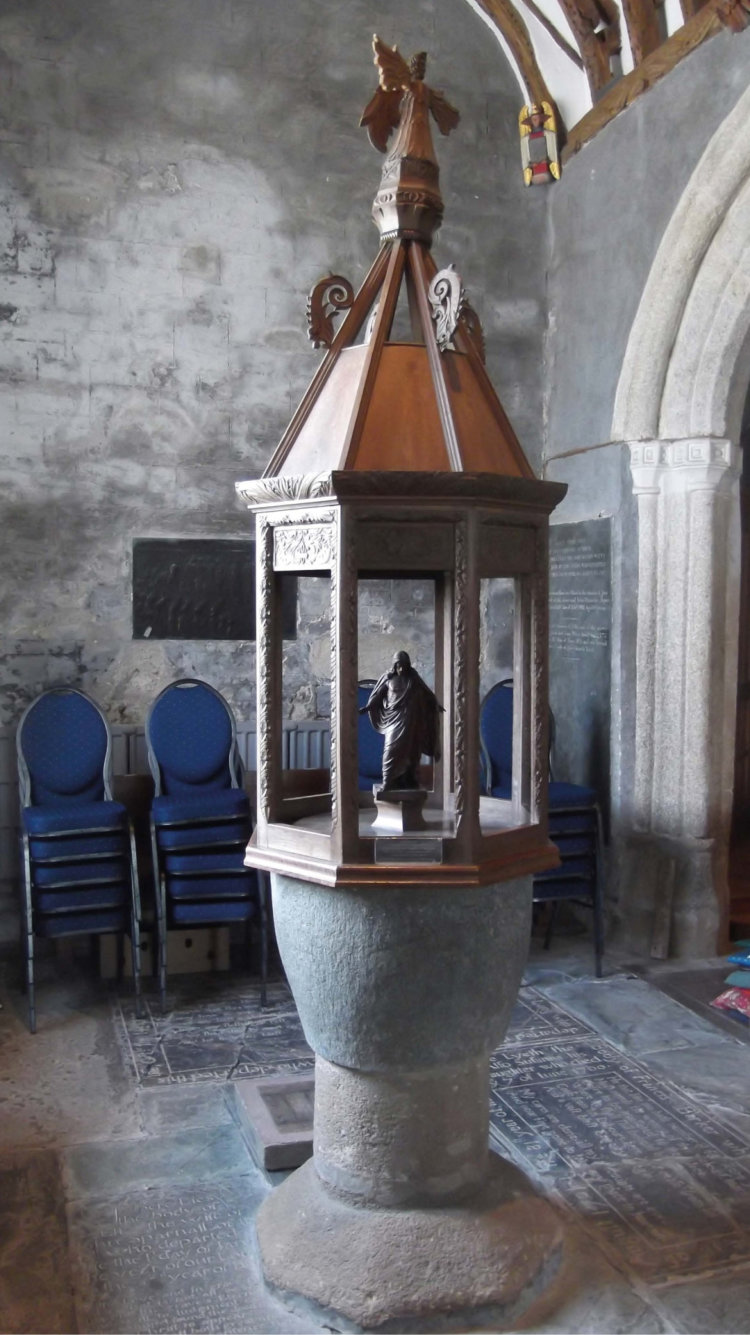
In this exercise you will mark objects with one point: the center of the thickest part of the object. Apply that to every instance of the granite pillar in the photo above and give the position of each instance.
(686, 664)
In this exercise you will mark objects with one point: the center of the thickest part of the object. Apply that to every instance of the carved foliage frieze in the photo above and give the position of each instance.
(344, 619)
(460, 672)
(303, 546)
(295, 487)
(265, 665)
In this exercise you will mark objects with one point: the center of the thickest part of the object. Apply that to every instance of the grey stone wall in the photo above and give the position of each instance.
(176, 176)
(607, 219)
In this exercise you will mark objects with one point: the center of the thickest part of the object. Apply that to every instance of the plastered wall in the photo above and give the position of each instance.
(175, 178)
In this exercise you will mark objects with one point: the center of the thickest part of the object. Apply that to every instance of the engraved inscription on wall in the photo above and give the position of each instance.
(579, 648)
(580, 589)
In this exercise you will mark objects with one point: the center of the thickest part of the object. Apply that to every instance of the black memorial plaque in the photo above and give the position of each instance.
(200, 589)
(579, 650)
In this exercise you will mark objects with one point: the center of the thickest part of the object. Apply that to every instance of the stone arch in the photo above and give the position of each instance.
(679, 407)
(702, 255)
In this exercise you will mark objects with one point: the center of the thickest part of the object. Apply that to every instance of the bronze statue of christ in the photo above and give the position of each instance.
(405, 710)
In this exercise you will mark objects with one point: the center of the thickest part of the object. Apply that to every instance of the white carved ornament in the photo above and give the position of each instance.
(303, 546)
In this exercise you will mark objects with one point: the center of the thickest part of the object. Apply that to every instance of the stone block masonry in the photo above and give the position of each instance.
(174, 181)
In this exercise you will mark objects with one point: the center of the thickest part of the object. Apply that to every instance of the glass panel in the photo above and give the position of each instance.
(395, 615)
(306, 691)
(504, 751)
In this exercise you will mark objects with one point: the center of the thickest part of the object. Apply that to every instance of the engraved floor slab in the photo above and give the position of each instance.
(719, 1304)
(658, 1177)
(634, 1016)
(614, 1107)
(666, 1219)
(35, 1288)
(536, 1019)
(202, 1154)
(619, 1114)
(214, 1030)
(696, 989)
(168, 1260)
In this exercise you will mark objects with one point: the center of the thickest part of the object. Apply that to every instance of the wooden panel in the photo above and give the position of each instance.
(487, 440)
(506, 549)
(402, 429)
(306, 843)
(328, 419)
(404, 547)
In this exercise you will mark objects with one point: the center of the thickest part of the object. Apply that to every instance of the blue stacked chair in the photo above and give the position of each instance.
(200, 820)
(369, 742)
(79, 871)
(575, 823)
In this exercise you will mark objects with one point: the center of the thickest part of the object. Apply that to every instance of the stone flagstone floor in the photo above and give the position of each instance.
(127, 1193)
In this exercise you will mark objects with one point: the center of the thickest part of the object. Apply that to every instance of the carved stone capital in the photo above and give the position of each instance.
(701, 463)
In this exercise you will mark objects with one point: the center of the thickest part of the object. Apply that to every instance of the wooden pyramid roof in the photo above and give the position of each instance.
(420, 402)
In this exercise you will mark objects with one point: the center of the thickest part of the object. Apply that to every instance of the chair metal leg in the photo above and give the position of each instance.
(30, 989)
(598, 930)
(550, 923)
(263, 895)
(599, 896)
(28, 934)
(135, 922)
(135, 952)
(161, 941)
(160, 896)
(161, 929)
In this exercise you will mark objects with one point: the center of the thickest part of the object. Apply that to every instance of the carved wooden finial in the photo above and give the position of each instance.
(408, 202)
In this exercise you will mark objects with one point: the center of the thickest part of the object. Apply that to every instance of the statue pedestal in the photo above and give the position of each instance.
(403, 1219)
(399, 810)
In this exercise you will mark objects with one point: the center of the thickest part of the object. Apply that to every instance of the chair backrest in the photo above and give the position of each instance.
(64, 750)
(496, 734)
(191, 739)
(370, 742)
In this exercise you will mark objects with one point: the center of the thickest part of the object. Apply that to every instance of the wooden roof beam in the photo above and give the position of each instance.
(596, 27)
(644, 31)
(714, 15)
(507, 20)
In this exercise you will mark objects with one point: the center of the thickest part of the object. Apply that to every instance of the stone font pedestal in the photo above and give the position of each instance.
(403, 1219)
